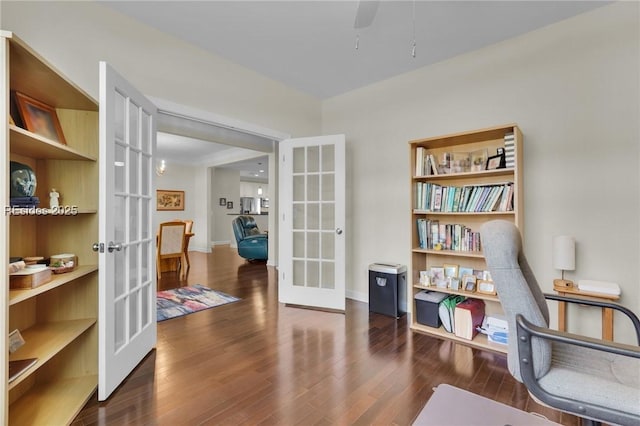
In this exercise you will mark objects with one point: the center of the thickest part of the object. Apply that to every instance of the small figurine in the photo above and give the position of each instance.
(53, 199)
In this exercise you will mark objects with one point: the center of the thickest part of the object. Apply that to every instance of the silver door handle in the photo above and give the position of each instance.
(114, 246)
(339, 231)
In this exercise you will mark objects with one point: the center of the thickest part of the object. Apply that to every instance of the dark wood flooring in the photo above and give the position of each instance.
(257, 362)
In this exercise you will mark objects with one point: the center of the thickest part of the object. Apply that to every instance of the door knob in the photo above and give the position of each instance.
(339, 231)
(114, 246)
(98, 247)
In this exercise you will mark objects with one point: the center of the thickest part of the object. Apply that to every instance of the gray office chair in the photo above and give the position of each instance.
(596, 380)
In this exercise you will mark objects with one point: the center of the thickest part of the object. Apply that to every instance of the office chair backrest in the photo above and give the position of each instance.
(517, 289)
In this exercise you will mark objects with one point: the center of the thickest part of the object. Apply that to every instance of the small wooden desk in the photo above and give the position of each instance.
(607, 313)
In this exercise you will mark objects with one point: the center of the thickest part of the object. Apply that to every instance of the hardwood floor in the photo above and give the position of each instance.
(258, 362)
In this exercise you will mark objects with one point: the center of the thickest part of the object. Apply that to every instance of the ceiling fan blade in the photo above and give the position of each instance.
(366, 12)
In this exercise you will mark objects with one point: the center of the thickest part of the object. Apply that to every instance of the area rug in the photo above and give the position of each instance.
(187, 300)
(451, 406)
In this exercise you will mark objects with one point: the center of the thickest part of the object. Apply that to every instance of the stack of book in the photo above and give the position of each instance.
(435, 235)
(469, 198)
(509, 149)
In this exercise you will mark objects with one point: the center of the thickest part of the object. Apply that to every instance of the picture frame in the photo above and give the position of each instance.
(463, 270)
(469, 283)
(479, 159)
(437, 277)
(222, 202)
(229, 204)
(11, 120)
(167, 199)
(454, 283)
(486, 287)
(495, 162)
(450, 270)
(39, 118)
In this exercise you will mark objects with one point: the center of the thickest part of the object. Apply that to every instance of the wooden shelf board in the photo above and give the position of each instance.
(475, 254)
(430, 213)
(44, 341)
(17, 296)
(480, 341)
(474, 295)
(55, 403)
(464, 138)
(482, 173)
(29, 144)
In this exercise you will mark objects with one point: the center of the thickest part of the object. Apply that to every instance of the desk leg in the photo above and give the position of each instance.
(562, 316)
(607, 324)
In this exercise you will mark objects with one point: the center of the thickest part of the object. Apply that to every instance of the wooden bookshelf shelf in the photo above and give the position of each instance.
(57, 402)
(480, 174)
(474, 295)
(23, 142)
(449, 253)
(17, 296)
(480, 341)
(44, 341)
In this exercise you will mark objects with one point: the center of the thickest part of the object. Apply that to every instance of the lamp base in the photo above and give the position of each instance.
(562, 285)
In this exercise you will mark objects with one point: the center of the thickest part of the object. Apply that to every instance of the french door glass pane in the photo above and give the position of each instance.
(298, 272)
(313, 245)
(120, 167)
(328, 187)
(313, 274)
(298, 160)
(134, 219)
(134, 162)
(328, 158)
(298, 244)
(313, 216)
(328, 245)
(145, 133)
(328, 275)
(298, 188)
(119, 119)
(145, 175)
(120, 322)
(134, 304)
(313, 159)
(118, 217)
(313, 187)
(328, 216)
(145, 314)
(133, 266)
(134, 130)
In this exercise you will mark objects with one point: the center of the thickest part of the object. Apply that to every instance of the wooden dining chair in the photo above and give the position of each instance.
(171, 241)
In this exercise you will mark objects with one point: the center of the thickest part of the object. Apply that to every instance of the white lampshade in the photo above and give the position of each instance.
(564, 253)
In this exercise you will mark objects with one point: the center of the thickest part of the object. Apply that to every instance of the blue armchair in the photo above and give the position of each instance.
(252, 244)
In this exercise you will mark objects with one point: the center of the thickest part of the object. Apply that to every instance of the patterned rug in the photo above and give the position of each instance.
(187, 300)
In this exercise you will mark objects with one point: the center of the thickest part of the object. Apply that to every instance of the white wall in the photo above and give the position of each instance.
(191, 180)
(572, 87)
(225, 183)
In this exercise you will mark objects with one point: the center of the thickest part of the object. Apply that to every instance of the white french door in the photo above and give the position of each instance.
(127, 286)
(312, 220)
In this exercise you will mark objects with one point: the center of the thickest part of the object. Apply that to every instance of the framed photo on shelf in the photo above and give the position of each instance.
(169, 200)
(11, 120)
(450, 270)
(479, 159)
(454, 283)
(437, 277)
(222, 202)
(469, 283)
(463, 270)
(39, 118)
(496, 162)
(486, 287)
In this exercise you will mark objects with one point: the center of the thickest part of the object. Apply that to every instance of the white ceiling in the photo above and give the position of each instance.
(310, 45)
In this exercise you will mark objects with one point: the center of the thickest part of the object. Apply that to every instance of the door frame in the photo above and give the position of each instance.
(187, 113)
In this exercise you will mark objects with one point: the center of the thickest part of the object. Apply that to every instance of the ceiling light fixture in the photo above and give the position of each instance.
(160, 169)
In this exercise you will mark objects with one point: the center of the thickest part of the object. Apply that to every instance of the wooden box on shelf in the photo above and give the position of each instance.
(455, 189)
(29, 277)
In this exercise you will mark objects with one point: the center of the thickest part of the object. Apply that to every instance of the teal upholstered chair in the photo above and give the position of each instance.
(252, 244)
(591, 378)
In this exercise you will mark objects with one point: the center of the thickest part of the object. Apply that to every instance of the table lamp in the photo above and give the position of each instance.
(564, 258)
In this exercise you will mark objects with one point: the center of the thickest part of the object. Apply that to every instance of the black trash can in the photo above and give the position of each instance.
(388, 289)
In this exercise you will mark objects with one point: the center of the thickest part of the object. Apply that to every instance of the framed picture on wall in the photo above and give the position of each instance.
(229, 204)
(222, 202)
(169, 199)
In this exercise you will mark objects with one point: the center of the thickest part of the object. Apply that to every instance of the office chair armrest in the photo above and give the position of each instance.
(599, 303)
(256, 237)
(525, 331)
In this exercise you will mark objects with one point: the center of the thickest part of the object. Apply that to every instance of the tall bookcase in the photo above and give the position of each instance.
(57, 319)
(425, 256)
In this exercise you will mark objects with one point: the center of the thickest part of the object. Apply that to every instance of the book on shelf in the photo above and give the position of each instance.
(19, 366)
(468, 317)
(509, 149)
(469, 198)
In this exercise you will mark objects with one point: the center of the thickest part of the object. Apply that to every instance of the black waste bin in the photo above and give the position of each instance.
(388, 289)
